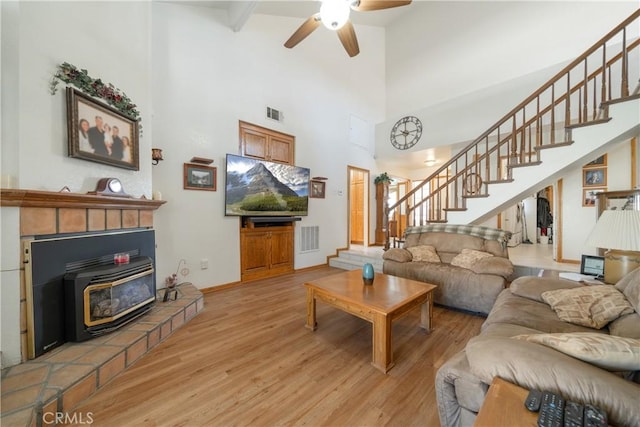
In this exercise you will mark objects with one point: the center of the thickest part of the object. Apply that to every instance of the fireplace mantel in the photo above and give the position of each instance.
(51, 199)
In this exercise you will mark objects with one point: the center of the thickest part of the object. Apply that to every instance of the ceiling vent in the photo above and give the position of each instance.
(274, 114)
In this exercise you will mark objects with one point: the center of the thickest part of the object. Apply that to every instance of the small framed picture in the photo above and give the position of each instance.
(595, 177)
(100, 133)
(589, 196)
(600, 161)
(317, 189)
(198, 177)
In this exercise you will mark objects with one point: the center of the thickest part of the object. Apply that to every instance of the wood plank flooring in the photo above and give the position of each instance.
(248, 360)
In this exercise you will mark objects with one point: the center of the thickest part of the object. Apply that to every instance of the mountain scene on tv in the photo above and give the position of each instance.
(255, 187)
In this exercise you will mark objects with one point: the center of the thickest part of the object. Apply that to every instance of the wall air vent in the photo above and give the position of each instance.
(274, 114)
(309, 238)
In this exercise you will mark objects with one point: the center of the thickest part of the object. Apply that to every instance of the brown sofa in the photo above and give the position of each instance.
(462, 382)
(474, 288)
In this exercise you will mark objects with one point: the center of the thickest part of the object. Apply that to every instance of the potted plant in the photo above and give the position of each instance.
(382, 178)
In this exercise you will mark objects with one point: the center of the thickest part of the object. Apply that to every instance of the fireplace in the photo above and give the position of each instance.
(76, 288)
(103, 298)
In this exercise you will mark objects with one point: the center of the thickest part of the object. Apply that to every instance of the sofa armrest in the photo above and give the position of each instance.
(493, 265)
(397, 254)
(534, 366)
(532, 287)
(459, 393)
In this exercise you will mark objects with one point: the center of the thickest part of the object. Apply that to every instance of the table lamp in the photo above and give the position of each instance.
(618, 231)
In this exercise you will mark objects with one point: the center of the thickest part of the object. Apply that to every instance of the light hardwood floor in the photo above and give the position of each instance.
(248, 360)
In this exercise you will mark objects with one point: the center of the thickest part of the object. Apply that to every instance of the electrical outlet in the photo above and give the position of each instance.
(340, 193)
(204, 263)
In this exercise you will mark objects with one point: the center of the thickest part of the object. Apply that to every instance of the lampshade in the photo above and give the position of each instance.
(617, 229)
(334, 13)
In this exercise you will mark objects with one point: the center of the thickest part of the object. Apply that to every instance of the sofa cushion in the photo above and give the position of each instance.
(533, 366)
(592, 306)
(629, 285)
(606, 351)
(626, 326)
(493, 265)
(468, 257)
(424, 253)
(397, 254)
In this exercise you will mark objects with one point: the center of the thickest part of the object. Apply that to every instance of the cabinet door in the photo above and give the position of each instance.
(254, 248)
(282, 249)
(254, 144)
(280, 149)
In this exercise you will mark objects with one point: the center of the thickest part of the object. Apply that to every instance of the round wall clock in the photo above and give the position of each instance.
(406, 132)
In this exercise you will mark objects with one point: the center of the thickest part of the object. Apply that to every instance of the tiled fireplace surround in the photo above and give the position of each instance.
(34, 390)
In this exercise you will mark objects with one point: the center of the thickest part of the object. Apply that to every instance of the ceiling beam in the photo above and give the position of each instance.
(239, 12)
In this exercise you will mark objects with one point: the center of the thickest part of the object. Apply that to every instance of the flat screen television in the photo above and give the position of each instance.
(262, 188)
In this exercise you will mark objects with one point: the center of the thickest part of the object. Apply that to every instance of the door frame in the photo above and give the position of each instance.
(367, 205)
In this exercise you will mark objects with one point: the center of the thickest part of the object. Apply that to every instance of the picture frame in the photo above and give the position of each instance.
(589, 196)
(317, 189)
(594, 177)
(199, 177)
(600, 161)
(99, 133)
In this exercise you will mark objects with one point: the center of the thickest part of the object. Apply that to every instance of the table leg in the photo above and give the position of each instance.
(382, 351)
(311, 310)
(426, 314)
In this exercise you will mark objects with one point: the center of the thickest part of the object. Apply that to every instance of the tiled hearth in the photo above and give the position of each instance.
(62, 378)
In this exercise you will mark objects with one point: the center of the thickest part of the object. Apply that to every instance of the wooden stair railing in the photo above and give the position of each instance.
(576, 96)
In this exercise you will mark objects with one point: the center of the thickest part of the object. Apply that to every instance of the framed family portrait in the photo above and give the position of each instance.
(589, 196)
(198, 177)
(595, 177)
(100, 133)
(317, 189)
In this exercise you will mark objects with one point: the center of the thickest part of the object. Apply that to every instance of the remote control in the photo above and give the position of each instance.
(573, 414)
(532, 402)
(594, 416)
(551, 410)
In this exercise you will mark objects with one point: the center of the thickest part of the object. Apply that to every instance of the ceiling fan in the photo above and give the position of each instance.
(334, 14)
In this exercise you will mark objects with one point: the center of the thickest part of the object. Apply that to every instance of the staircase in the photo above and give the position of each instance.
(571, 119)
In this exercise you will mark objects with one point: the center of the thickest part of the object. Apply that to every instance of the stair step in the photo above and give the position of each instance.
(555, 145)
(523, 165)
(623, 99)
(589, 123)
(454, 210)
(475, 196)
(499, 181)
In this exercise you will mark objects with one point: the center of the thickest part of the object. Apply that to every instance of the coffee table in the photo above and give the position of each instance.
(389, 298)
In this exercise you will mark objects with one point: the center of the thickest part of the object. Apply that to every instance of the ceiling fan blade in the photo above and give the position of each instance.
(367, 5)
(348, 38)
(303, 31)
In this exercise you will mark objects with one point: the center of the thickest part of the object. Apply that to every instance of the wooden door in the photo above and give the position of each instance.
(356, 202)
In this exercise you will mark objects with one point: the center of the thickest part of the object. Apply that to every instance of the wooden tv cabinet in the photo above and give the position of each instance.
(266, 248)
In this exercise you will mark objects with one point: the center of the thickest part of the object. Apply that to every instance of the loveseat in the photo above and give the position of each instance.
(468, 264)
(580, 341)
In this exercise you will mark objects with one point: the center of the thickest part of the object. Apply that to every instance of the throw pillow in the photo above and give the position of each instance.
(424, 253)
(605, 351)
(493, 265)
(591, 306)
(469, 257)
(397, 254)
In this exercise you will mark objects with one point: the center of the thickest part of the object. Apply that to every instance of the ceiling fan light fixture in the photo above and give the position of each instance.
(334, 13)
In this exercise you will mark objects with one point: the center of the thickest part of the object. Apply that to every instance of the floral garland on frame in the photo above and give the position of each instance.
(95, 87)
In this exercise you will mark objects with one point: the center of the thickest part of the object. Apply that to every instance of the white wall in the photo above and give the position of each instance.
(110, 41)
(207, 77)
